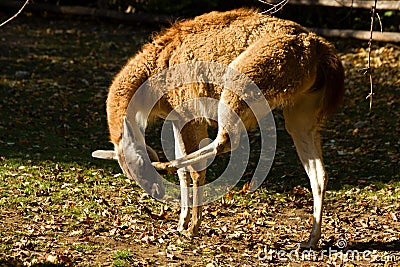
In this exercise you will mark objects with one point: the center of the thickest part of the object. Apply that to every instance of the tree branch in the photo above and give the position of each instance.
(15, 15)
(274, 7)
(369, 70)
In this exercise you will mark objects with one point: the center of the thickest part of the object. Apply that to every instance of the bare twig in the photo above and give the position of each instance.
(15, 15)
(368, 70)
(380, 21)
(274, 7)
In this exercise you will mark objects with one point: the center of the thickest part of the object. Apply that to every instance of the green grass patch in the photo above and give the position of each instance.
(122, 258)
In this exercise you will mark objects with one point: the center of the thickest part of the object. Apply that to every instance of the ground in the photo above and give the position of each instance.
(60, 207)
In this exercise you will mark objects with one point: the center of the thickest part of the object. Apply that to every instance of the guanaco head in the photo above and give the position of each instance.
(134, 158)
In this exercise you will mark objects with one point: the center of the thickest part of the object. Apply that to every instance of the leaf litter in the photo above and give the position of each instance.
(61, 207)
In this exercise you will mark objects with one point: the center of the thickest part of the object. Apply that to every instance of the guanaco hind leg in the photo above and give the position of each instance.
(302, 123)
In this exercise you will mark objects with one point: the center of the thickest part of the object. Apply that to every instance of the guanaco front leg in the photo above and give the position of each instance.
(187, 140)
(184, 180)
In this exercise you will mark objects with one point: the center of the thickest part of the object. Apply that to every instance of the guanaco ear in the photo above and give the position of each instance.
(105, 154)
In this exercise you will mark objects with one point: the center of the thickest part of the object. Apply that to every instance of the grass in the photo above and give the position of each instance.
(55, 199)
(122, 258)
(380, 193)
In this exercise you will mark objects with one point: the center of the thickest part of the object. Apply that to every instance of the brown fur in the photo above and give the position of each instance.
(284, 52)
(294, 69)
